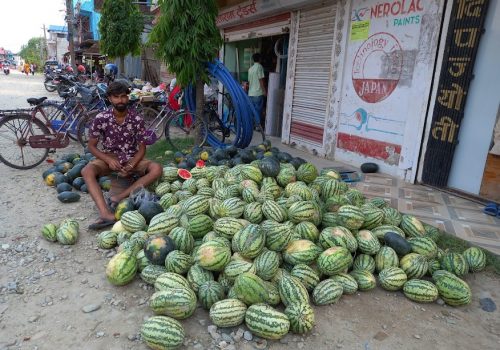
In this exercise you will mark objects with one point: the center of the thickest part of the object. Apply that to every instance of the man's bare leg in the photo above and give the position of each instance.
(153, 172)
(89, 174)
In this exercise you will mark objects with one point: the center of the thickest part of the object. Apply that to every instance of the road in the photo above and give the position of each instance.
(16, 87)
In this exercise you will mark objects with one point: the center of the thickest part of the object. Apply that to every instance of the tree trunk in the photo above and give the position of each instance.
(200, 101)
(122, 65)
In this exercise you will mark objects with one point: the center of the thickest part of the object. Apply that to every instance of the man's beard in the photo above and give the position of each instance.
(120, 107)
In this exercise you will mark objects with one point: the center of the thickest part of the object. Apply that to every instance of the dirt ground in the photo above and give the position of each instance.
(44, 287)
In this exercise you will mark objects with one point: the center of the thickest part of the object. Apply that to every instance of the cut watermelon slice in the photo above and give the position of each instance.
(184, 174)
(200, 164)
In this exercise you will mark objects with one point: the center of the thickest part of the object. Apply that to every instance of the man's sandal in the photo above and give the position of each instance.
(101, 223)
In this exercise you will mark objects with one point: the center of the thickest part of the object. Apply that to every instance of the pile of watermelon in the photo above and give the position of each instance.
(66, 175)
(65, 233)
(243, 240)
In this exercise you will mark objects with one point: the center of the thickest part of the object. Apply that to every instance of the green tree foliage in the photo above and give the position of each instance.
(186, 37)
(34, 51)
(120, 27)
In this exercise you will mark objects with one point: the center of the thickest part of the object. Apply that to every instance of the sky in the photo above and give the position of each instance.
(23, 20)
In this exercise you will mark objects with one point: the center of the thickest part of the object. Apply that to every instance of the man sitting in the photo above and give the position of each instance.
(121, 132)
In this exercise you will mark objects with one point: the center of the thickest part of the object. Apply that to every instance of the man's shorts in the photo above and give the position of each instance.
(103, 168)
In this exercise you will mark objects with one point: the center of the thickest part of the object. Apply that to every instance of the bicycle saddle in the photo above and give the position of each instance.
(36, 101)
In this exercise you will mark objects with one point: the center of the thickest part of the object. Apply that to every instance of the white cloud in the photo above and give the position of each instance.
(23, 20)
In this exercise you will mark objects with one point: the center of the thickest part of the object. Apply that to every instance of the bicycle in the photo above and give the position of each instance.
(27, 136)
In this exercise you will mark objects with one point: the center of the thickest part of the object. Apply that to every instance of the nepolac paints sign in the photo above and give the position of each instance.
(462, 42)
(391, 43)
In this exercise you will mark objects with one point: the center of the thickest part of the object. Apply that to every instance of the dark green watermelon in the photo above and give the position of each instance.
(247, 156)
(157, 248)
(61, 178)
(269, 166)
(48, 172)
(78, 182)
(284, 157)
(68, 197)
(297, 162)
(148, 209)
(221, 153)
(63, 187)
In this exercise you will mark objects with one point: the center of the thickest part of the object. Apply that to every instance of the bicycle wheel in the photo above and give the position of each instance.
(15, 150)
(49, 85)
(153, 121)
(184, 130)
(83, 127)
(220, 132)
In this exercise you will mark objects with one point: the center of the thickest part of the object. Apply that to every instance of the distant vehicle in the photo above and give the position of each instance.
(51, 65)
(6, 68)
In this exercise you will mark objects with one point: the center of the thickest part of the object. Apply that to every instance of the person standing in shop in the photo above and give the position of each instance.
(256, 89)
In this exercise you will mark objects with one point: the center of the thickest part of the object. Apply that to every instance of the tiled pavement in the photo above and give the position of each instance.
(455, 215)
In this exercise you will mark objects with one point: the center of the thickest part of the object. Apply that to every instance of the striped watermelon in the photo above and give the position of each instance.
(249, 241)
(168, 200)
(307, 230)
(236, 267)
(199, 225)
(206, 191)
(162, 224)
(277, 235)
(250, 289)
(476, 259)
(333, 203)
(227, 226)
(434, 265)
(150, 273)
(337, 236)
(286, 176)
(380, 231)
(454, 263)
(420, 291)
(432, 232)
(168, 280)
(392, 216)
(132, 221)
(303, 211)
(412, 226)
(364, 262)
(267, 264)
(189, 185)
(306, 275)
(424, 246)
(250, 194)
(334, 260)
(273, 293)
(367, 242)
(162, 333)
(233, 207)
(67, 232)
(327, 292)
(392, 278)
(209, 293)
(265, 322)
(228, 313)
(122, 267)
(348, 283)
(213, 256)
(379, 202)
(386, 257)
(307, 172)
(178, 262)
(174, 210)
(330, 188)
(49, 233)
(301, 252)
(178, 303)
(106, 240)
(182, 239)
(272, 211)
(374, 217)
(253, 213)
(453, 290)
(351, 217)
(414, 265)
(365, 279)
(197, 275)
(142, 261)
(292, 290)
(301, 317)
(249, 172)
(355, 197)
(169, 174)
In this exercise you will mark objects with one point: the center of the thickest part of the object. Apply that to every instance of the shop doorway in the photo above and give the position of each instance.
(274, 52)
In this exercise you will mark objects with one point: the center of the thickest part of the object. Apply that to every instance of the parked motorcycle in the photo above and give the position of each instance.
(6, 69)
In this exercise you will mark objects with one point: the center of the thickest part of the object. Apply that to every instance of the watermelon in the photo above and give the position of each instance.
(272, 211)
(227, 226)
(168, 280)
(306, 275)
(162, 224)
(454, 263)
(424, 246)
(301, 252)
(250, 289)
(249, 241)
(148, 210)
(412, 226)
(107, 239)
(327, 292)
(292, 290)
(213, 256)
(307, 230)
(182, 239)
(236, 267)
(364, 262)
(49, 232)
(267, 264)
(265, 322)
(374, 217)
(269, 166)
(132, 221)
(67, 232)
(199, 225)
(178, 303)
(277, 235)
(303, 211)
(365, 279)
(150, 273)
(400, 245)
(453, 290)
(178, 262)
(386, 257)
(307, 172)
(392, 278)
(301, 317)
(337, 236)
(122, 267)
(414, 265)
(334, 260)
(209, 293)
(228, 313)
(392, 216)
(348, 283)
(367, 242)
(476, 259)
(157, 248)
(162, 333)
(351, 217)
(184, 174)
(253, 213)
(420, 291)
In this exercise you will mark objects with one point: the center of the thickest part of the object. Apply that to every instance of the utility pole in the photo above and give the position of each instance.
(69, 19)
(45, 43)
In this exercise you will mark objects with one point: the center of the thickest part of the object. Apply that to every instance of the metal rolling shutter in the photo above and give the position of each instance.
(312, 75)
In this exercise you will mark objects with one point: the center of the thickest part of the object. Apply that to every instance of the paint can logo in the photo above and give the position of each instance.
(377, 67)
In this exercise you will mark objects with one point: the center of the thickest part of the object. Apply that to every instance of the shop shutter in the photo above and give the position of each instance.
(312, 75)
